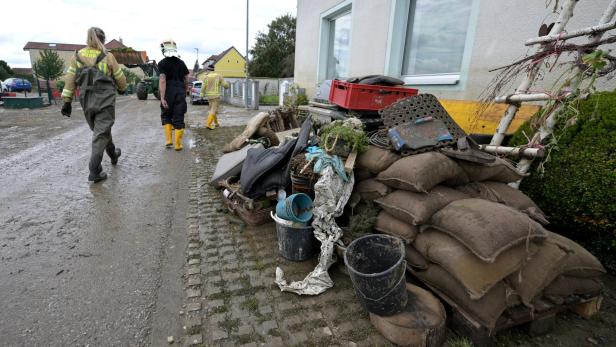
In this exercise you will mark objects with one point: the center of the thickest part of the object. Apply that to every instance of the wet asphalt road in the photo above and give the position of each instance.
(92, 264)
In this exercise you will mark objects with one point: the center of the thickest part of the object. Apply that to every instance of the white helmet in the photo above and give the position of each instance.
(169, 48)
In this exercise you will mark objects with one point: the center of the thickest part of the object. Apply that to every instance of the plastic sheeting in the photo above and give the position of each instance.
(331, 195)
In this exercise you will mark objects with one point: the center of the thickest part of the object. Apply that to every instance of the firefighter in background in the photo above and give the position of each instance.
(98, 75)
(172, 87)
(211, 88)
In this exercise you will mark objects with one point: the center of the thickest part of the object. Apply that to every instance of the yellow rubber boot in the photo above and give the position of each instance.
(216, 120)
(168, 129)
(179, 133)
(210, 120)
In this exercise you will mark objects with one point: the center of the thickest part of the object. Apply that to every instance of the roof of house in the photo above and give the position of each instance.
(113, 44)
(22, 70)
(217, 57)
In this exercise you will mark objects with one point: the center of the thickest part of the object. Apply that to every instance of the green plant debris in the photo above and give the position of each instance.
(459, 341)
(219, 309)
(229, 325)
(354, 139)
(251, 304)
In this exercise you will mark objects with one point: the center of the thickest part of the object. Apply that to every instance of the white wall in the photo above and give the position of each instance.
(501, 28)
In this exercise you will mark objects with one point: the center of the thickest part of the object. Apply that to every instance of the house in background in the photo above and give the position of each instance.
(444, 47)
(229, 63)
(66, 51)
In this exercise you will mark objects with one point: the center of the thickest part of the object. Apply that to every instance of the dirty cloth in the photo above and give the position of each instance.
(323, 160)
(331, 195)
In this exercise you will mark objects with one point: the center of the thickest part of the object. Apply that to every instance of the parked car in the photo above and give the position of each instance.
(195, 94)
(18, 85)
(3, 87)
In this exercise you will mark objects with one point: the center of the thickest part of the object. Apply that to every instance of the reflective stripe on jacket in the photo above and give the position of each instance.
(109, 66)
(211, 85)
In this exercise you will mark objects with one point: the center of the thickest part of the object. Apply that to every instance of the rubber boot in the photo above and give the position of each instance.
(97, 177)
(179, 133)
(210, 120)
(216, 120)
(116, 156)
(168, 129)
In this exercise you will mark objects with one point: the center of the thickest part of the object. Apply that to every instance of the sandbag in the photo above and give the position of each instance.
(368, 190)
(485, 311)
(268, 134)
(376, 159)
(580, 263)
(252, 127)
(389, 225)
(414, 259)
(565, 286)
(417, 208)
(419, 173)
(421, 323)
(538, 272)
(504, 194)
(486, 228)
(500, 171)
(362, 174)
(475, 275)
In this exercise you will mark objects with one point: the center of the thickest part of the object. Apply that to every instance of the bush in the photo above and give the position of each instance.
(268, 100)
(578, 188)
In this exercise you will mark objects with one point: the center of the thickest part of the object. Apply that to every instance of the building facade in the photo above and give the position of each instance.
(445, 47)
(229, 63)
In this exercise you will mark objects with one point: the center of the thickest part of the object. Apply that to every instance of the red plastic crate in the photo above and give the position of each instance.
(355, 96)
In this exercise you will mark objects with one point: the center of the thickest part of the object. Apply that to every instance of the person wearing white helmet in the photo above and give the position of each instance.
(172, 87)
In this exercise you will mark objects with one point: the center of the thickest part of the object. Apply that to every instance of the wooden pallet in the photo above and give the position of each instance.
(537, 323)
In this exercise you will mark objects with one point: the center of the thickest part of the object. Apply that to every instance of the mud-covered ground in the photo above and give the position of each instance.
(106, 264)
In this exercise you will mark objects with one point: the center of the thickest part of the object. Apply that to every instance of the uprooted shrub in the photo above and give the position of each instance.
(577, 188)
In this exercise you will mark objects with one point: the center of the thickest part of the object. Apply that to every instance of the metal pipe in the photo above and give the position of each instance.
(246, 64)
(513, 98)
(564, 36)
(565, 14)
(517, 152)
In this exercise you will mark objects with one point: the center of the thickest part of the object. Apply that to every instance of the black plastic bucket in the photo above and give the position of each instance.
(295, 243)
(377, 268)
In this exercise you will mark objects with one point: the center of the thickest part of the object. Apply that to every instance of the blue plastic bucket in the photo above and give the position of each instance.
(296, 208)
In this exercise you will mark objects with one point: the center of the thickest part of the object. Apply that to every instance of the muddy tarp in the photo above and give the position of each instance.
(268, 169)
(331, 195)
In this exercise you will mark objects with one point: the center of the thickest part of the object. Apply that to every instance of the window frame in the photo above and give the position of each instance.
(396, 41)
(327, 16)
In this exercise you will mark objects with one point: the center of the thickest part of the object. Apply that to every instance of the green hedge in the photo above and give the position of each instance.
(578, 187)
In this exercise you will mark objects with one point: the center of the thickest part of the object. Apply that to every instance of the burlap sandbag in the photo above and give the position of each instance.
(565, 286)
(538, 272)
(368, 190)
(420, 324)
(504, 194)
(389, 225)
(414, 259)
(485, 311)
(475, 275)
(269, 134)
(362, 174)
(417, 208)
(376, 159)
(580, 262)
(420, 172)
(251, 128)
(486, 228)
(500, 171)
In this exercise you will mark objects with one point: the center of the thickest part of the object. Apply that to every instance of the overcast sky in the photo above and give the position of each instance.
(211, 26)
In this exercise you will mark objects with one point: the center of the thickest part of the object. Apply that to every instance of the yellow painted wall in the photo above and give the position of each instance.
(465, 114)
(231, 65)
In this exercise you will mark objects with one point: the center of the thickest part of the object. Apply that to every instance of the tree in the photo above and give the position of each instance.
(49, 66)
(5, 70)
(273, 52)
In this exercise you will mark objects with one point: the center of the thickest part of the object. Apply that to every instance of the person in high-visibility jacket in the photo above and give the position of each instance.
(98, 75)
(212, 82)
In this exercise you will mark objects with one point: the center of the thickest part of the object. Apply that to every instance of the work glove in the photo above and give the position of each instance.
(67, 108)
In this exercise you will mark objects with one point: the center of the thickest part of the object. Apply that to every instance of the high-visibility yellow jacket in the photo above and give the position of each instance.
(109, 66)
(211, 85)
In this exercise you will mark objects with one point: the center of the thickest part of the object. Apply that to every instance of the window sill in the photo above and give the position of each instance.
(443, 79)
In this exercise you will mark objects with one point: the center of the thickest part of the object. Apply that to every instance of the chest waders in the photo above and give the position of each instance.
(97, 99)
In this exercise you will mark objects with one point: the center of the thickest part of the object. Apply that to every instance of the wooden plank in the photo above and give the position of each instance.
(350, 162)
(589, 308)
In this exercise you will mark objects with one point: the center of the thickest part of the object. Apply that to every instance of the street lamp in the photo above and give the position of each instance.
(246, 65)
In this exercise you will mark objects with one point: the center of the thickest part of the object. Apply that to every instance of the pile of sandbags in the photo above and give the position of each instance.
(477, 242)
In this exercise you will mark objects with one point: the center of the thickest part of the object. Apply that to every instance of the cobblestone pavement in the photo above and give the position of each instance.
(230, 291)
